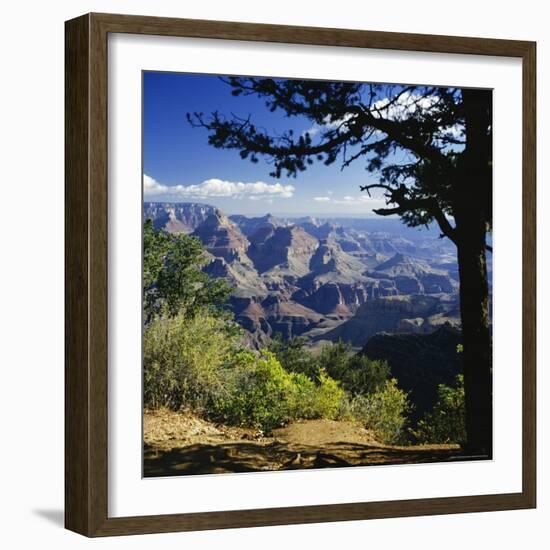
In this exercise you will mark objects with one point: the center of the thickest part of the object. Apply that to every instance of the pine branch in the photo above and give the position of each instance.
(397, 195)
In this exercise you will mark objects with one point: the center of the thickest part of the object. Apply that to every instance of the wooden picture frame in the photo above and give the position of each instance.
(86, 294)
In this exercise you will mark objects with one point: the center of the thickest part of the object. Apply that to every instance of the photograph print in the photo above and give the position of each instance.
(317, 274)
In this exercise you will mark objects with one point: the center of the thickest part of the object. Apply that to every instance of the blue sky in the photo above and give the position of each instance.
(179, 165)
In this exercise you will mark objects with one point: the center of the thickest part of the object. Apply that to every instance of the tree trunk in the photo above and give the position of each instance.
(473, 215)
(476, 339)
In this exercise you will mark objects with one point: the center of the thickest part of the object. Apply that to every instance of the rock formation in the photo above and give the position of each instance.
(319, 278)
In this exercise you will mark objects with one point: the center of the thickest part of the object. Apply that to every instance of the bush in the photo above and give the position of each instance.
(321, 399)
(357, 373)
(294, 357)
(384, 412)
(446, 422)
(182, 357)
(255, 391)
(258, 391)
(330, 397)
(198, 363)
(364, 375)
(303, 397)
(335, 359)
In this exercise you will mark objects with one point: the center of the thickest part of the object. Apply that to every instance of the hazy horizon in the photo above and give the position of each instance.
(273, 212)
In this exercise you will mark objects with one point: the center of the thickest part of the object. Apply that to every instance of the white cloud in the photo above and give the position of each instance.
(329, 124)
(218, 188)
(321, 199)
(152, 186)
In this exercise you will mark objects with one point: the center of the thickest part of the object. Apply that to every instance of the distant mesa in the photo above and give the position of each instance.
(177, 217)
(415, 276)
(288, 249)
(221, 237)
(249, 225)
(413, 313)
(330, 259)
(319, 230)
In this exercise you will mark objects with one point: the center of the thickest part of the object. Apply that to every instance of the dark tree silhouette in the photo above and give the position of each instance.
(431, 149)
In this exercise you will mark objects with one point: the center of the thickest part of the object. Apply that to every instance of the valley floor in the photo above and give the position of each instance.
(181, 444)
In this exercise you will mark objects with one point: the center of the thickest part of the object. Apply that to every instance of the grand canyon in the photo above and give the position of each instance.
(323, 279)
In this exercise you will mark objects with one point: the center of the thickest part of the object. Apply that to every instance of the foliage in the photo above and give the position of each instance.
(293, 356)
(182, 356)
(255, 392)
(384, 412)
(321, 399)
(335, 359)
(198, 363)
(258, 391)
(446, 423)
(329, 397)
(172, 278)
(431, 148)
(369, 123)
(193, 357)
(357, 373)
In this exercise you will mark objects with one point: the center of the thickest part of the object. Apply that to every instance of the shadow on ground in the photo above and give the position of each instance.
(251, 457)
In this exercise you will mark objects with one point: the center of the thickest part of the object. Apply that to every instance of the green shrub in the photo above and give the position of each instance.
(266, 393)
(303, 397)
(322, 399)
(335, 359)
(364, 375)
(330, 397)
(384, 412)
(255, 391)
(357, 373)
(182, 357)
(294, 357)
(199, 363)
(445, 424)
(258, 391)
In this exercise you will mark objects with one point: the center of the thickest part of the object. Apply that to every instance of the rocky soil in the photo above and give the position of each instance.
(182, 444)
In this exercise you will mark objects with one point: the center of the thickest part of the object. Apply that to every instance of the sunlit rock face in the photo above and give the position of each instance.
(320, 279)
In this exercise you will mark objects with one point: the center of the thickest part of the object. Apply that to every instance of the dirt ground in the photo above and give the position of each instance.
(181, 444)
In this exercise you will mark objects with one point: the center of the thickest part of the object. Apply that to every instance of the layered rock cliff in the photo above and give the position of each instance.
(318, 278)
(177, 217)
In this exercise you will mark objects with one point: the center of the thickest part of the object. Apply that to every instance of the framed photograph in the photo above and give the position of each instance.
(300, 275)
